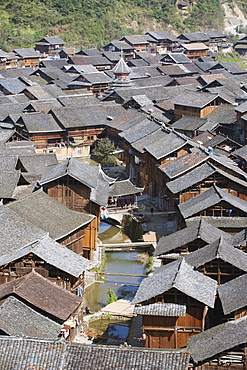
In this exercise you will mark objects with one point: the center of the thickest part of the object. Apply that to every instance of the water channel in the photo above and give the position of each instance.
(95, 297)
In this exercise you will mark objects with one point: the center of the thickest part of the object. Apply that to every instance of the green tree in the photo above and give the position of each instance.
(111, 296)
(103, 153)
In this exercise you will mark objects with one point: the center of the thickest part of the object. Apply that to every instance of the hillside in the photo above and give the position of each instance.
(92, 23)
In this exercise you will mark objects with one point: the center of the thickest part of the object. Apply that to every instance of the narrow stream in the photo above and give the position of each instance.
(95, 296)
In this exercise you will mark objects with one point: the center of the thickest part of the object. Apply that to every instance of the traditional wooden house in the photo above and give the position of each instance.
(138, 42)
(27, 58)
(96, 82)
(49, 46)
(8, 60)
(98, 61)
(173, 303)
(161, 42)
(75, 230)
(46, 298)
(12, 86)
(220, 345)
(187, 240)
(27, 246)
(121, 47)
(214, 202)
(81, 187)
(241, 46)
(195, 50)
(196, 104)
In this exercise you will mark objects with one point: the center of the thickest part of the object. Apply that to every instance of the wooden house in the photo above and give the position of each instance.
(45, 298)
(172, 304)
(196, 104)
(161, 41)
(214, 202)
(121, 47)
(96, 82)
(49, 46)
(98, 61)
(8, 60)
(195, 50)
(220, 345)
(27, 57)
(75, 230)
(28, 247)
(241, 46)
(187, 240)
(138, 42)
(80, 187)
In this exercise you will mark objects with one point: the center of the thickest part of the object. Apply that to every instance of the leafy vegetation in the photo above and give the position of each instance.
(103, 153)
(112, 297)
(232, 57)
(84, 23)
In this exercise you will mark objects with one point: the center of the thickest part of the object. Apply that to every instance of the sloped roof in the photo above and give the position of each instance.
(181, 276)
(8, 183)
(12, 85)
(38, 92)
(40, 122)
(139, 130)
(221, 222)
(57, 354)
(194, 99)
(207, 199)
(43, 294)
(168, 143)
(195, 46)
(233, 294)
(91, 176)
(219, 249)
(161, 309)
(16, 232)
(16, 318)
(202, 230)
(199, 174)
(27, 53)
(162, 35)
(218, 339)
(47, 214)
(189, 123)
(52, 40)
(241, 152)
(124, 187)
(51, 252)
(121, 67)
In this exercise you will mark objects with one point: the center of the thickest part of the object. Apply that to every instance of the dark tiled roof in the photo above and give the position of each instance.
(209, 198)
(47, 214)
(162, 35)
(135, 39)
(40, 122)
(219, 249)
(199, 174)
(16, 318)
(233, 68)
(51, 40)
(233, 294)
(53, 253)
(17, 232)
(20, 353)
(218, 339)
(124, 187)
(200, 230)
(91, 176)
(43, 294)
(8, 183)
(221, 222)
(12, 85)
(27, 53)
(189, 123)
(181, 276)
(194, 99)
(242, 152)
(139, 130)
(224, 114)
(161, 309)
(167, 144)
(121, 67)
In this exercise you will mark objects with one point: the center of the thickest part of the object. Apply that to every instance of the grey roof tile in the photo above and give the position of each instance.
(124, 187)
(161, 309)
(53, 355)
(218, 339)
(181, 276)
(16, 318)
(207, 199)
(233, 294)
(47, 214)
